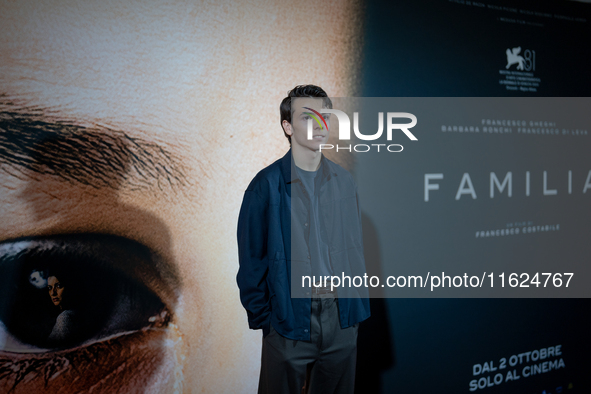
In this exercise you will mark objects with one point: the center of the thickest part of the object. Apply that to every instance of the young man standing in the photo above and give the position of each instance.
(300, 218)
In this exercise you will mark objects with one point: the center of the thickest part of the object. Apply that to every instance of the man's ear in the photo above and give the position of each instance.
(287, 128)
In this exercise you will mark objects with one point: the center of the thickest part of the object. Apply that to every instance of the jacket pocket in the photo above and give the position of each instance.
(279, 288)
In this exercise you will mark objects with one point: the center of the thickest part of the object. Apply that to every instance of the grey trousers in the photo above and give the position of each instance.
(325, 364)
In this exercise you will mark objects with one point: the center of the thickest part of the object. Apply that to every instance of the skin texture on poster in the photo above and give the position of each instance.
(129, 131)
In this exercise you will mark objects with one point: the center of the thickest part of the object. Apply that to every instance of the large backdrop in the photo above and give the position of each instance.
(129, 131)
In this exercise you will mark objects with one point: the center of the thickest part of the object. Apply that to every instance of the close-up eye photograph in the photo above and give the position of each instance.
(295, 197)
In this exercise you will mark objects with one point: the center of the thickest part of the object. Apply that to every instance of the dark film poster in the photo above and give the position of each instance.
(441, 217)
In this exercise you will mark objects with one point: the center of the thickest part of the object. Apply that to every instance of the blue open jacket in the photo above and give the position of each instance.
(273, 235)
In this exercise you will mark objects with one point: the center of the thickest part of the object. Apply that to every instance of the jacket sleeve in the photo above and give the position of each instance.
(253, 259)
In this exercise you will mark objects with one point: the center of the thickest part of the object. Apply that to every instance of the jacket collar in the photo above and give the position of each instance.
(290, 174)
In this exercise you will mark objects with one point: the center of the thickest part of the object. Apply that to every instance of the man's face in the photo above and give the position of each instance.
(304, 111)
(124, 117)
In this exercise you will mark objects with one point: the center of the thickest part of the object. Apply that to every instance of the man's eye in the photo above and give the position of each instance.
(102, 296)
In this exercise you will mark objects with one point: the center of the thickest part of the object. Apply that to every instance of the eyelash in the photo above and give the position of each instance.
(14, 368)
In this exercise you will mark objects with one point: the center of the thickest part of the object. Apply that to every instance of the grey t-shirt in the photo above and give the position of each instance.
(320, 259)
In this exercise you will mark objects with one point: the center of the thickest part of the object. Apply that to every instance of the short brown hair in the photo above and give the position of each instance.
(300, 91)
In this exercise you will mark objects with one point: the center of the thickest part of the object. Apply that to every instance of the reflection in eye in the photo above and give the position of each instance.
(60, 292)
